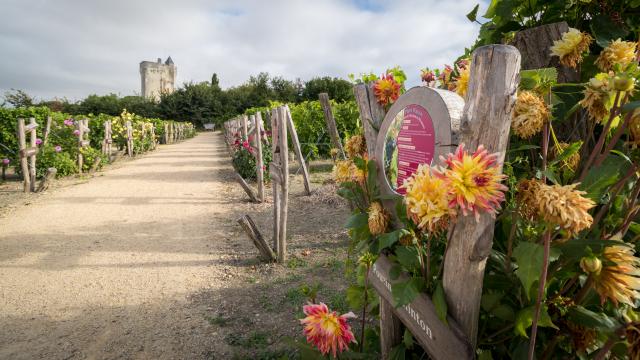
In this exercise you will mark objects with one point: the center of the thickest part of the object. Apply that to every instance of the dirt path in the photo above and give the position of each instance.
(104, 269)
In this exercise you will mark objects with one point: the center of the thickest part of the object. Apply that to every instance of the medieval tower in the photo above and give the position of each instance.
(157, 78)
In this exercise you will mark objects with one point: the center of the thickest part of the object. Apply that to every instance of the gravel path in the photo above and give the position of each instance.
(108, 268)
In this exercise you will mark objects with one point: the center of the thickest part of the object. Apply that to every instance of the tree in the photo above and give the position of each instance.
(18, 98)
(338, 89)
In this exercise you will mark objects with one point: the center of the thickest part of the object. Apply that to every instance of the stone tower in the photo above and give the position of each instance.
(157, 78)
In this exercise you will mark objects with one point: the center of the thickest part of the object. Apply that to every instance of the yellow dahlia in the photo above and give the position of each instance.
(474, 180)
(527, 190)
(619, 279)
(334, 153)
(617, 53)
(565, 206)
(462, 82)
(598, 97)
(386, 90)
(355, 146)
(342, 171)
(326, 330)
(427, 199)
(570, 48)
(529, 114)
(570, 163)
(378, 219)
(634, 128)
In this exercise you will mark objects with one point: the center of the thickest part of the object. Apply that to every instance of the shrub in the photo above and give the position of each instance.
(62, 161)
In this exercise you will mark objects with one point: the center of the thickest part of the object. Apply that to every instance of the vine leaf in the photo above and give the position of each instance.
(524, 319)
(529, 257)
(404, 292)
(440, 303)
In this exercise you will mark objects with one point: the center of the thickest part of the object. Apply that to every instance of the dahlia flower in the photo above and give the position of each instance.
(634, 127)
(38, 141)
(326, 330)
(427, 76)
(570, 48)
(529, 114)
(386, 89)
(378, 219)
(58, 148)
(334, 153)
(617, 53)
(474, 180)
(427, 199)
(565, 206)
(346, 170)
(527, 190)
(355, 146)
(619, 279)
(76, 132)
(571, 162)
(462, 82)
(598, 97)
(68, 122)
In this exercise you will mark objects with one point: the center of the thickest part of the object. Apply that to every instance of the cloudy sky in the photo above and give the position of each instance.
(72, 48)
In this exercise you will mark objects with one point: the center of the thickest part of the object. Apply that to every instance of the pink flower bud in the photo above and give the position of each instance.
(38, 141)
(76, 132)
(5, 161)
(58, 148)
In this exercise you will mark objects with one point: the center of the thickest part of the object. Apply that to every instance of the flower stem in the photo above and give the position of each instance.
(584, 291)
(364, 308)
(541, 282)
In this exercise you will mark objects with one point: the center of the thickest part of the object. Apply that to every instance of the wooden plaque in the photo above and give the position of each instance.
(421, 126)
(441, 341)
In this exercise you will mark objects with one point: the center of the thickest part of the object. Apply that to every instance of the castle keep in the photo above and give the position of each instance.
(157, 78)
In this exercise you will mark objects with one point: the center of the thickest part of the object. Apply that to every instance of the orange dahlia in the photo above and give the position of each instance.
(474, 180)
(386, 89)
(619, 280)
(326, 330)
(427, 199)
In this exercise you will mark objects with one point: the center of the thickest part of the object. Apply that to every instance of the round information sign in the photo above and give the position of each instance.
(420, 126)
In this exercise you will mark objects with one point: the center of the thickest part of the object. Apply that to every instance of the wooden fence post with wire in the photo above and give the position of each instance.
(28, 154)
(82, 127)
(129, 130)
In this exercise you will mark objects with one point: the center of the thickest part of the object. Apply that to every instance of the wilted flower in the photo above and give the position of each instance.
(462, 82)
(326, 330)
(427, 199)
(386, 89)
(355, 146)
(571, 47)
(634, 127)
(474, 180)
(6, 161)
(617, 53)
(378, 219)
(582, 337)
(527, 190)
(427, 76)
(571, 162)
(76, 132)
(618, 280)
(598, 97)
(58, 148)
(529, 114)
(565, 206)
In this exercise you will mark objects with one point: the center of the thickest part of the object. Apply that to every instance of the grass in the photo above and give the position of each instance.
(295, 262)
(217, 320)
(255, 340)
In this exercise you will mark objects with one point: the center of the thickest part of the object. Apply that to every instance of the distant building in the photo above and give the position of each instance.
(157, 78)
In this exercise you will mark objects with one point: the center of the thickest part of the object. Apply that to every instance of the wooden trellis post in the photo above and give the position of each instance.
(284, 183)
(165, 136)
(245, 132)
(275, 174)
(259, 160)
(129, 138)
(83, 127)
(27, 154)
(331, 124)
(154, 144)
(298, 150)
(47, 131)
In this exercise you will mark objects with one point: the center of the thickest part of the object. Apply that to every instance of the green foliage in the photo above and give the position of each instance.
(49, 158)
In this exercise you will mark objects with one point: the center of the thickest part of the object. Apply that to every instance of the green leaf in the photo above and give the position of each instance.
(355, 296)
(357, 221)
(472, 16)
(504, 312)
(630, 106)
(388, 239)
(405, 292)
(587, 318)
(398, 352)
(570, 150)
(524, 319)
(407, 256)
(529, 257)
(523, 148)
(491, 10)
(372, 177)
(407, 339)
(600, 178)
(605, 30)
(485, 355)
(440, 303)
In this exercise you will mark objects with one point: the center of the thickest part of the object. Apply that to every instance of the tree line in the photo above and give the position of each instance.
(201, 102)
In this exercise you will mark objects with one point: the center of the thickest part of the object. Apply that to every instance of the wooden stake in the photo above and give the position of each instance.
(245, 132)
(371, 114)
(259, 161)
(254, 234)
(47, 130)
(331, 124)
(246, 188)
(129, 138)
(284, 201)
(275, 156)
(298, 150)
(24, 163)
(486, 120)
(46, 180)
(32, 157)
(95, 165)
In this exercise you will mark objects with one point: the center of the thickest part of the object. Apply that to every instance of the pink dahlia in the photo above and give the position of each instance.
(58, 148)
(326, 330)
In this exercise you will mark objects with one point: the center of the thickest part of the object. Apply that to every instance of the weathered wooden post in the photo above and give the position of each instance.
(298, 150)
(259, 160)
(487, 119)
(165, 136)
(46, 180)
(32, 155)
(24, 163)
(275, 173)
(129, 138)
(245, 130)
(331, 124)
(47, 131)
(153, 137)
(283, 113)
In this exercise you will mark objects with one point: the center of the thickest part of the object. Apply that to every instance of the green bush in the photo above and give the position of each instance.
(62, 161)
(90, 155)
(245, 162)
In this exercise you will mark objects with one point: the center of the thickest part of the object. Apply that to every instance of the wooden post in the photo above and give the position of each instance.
(24, 163)
(284, 201)
(247, 188)
(244, 127)
(298, 150)
(487, 118)
(166, 133)
(259, 161)
(129, 138)
(371, 114)
(80, 130)
(275, 161)
(94, 166)
(254, 234)
(153, 137)
(32, 156)
(331, 124)
(46, 180)
(47, 131)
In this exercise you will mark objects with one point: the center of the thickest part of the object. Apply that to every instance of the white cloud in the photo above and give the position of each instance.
(74, 48)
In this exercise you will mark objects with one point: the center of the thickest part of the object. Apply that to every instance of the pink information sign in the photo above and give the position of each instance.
(410, 142)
